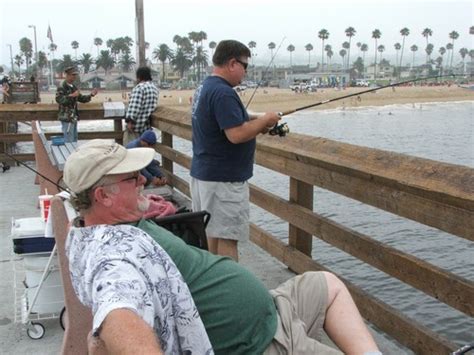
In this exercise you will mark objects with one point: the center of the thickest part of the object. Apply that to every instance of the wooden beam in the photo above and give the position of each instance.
(407, 331)
(453, 215)
(301, 194)
(49, 112)
(445, 286)
(26, 137)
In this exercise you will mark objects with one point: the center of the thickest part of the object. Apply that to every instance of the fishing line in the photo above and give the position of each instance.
(282, 129)
(264, 74)
(36, 172)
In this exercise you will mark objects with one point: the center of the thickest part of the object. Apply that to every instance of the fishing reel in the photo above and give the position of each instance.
(279, 130)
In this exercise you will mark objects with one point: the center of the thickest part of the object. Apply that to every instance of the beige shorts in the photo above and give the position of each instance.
(301, 304)
(228, 204)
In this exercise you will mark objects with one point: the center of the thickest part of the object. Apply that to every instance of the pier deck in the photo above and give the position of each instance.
(19, 200)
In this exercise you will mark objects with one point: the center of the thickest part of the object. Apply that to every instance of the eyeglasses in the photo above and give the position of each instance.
(135, 177)
(244, 64)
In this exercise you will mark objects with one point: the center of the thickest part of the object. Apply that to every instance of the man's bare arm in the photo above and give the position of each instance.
(124, 332)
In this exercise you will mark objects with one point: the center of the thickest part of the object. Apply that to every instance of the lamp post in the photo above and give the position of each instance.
(11, 60)
(36, 51)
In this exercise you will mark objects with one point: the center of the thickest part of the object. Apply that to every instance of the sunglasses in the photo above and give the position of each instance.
(245, 65)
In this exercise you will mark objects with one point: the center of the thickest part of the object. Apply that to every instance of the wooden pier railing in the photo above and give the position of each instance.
(436, 194)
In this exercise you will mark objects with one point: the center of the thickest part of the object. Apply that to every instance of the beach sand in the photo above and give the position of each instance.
(272, 99)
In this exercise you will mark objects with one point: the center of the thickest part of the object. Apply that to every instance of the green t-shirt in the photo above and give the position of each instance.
(237, 310)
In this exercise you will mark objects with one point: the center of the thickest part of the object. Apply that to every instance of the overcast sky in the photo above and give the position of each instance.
(261, 21)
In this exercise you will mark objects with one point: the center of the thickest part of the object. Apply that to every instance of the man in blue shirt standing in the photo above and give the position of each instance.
(223, 149)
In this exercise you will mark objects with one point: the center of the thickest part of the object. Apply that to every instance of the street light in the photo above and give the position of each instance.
(36, 51)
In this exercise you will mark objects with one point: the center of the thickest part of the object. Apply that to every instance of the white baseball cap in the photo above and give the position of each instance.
(101, 157)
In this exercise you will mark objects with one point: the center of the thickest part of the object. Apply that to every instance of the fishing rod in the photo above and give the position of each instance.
(264, 74)
(36, 172)
(282, 129)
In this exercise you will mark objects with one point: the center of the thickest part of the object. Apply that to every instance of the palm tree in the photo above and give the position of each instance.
(271, 46)
(350, 32)
(323, 34)
(427, 32)
(26, 48)
(252, 45)
(86, 61)
(429, 49)
(18, 61)
(359, 44)
(381, 49)
(471, 30)
(163, 53)
(98, 42)
(413, 48)
(343, 53)
(181, 61)
(42, 60)
(64, 63)
(364, 48)
(463, 52)
(376, 34)
(471, 55)
(200, 61)
(329, 54)
(404, 32)
(346, 46)
(105, 60)
(75, 46)
(291, 49)
(449, 47)
(126, 62)
(397, 47)
(309, 48)
(442, 51)
(212, 45)
(454, 36)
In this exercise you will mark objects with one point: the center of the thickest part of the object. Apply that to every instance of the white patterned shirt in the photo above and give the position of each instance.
(121, 266)
(143, 102)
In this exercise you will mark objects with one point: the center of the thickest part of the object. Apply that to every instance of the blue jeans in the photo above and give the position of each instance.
(151, 171)
(69, 131)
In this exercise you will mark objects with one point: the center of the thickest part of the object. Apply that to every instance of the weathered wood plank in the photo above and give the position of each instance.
(439, 214)
(301, 194)
(447, 287)
(167, 141)
(26, 137)
(49, 112)
(407, 331)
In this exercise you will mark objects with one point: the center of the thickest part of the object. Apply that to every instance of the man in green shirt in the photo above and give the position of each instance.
(239, 315)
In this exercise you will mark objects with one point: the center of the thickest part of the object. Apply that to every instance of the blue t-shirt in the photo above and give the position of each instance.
(216, 107)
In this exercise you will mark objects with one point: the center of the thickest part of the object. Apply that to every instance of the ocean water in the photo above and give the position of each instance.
(438, 131)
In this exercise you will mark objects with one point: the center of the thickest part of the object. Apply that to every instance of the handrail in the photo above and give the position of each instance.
(430, 192)
(437, 194)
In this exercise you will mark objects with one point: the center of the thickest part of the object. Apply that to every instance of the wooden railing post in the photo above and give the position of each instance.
(3, 129)
(167, 140)
(118, 129)
(301, 193)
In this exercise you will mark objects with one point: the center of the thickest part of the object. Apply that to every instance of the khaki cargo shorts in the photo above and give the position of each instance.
(228, 204)
(301, 304)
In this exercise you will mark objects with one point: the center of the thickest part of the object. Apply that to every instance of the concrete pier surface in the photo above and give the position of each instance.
(19, 196)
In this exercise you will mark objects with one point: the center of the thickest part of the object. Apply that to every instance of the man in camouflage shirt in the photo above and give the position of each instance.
(143, 102)
(67, 96)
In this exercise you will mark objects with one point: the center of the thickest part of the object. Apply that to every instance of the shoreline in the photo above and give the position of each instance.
(273, 99)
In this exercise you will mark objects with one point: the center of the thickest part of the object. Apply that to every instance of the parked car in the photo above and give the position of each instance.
(361, 82)
(165, 86)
